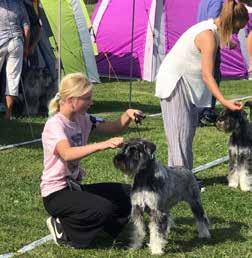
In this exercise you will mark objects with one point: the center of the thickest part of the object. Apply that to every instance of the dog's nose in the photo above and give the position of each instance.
(219, 124)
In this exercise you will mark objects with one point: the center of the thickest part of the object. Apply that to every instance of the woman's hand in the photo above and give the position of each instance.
(113, 143)
(232, 105)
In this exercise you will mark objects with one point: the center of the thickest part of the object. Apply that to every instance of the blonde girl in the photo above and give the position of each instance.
(79, 212)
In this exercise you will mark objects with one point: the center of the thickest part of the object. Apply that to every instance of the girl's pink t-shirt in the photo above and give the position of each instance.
(56, 170)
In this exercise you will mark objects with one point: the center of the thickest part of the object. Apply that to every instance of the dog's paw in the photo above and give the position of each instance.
(246, 188)
(206, 234)
(134, 246)
(233, 184)
(233, 180)
(246, 183)
(157, 248)
(157, 251)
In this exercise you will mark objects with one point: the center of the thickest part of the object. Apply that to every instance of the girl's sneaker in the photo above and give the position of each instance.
(56, 230)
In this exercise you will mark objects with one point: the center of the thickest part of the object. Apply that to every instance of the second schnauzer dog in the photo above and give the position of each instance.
(156, 189)
(240, 147)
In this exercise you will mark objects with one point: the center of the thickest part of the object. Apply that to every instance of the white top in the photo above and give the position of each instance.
(184, 60)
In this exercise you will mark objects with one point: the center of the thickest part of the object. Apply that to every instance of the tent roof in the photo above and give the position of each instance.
(76, 46)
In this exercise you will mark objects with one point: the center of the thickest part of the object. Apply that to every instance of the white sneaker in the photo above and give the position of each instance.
(56, 230)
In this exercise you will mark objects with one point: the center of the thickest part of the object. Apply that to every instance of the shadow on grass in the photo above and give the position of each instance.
(120, 106)
(16, 131)
(219, 235)
(232, 232)
(217, 180)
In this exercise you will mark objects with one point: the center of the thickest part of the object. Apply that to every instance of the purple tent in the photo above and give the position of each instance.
(156, 26)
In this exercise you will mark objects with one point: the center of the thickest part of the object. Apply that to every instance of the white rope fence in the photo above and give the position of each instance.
(10, 146)
(210, 164)
(43, 240)
(28, 247)
(152, 115)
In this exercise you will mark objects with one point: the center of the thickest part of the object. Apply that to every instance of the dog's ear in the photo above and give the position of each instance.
(223, 114)
(248, 104)
(241, 115)
(244, 113)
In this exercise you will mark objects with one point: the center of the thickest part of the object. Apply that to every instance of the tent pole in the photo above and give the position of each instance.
(132, 48)
(59, 41)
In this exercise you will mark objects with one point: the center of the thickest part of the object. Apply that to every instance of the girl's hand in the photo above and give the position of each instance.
(113, 143)
(135, 115)
(233, 105)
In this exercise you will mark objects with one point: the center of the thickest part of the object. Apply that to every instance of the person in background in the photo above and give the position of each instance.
(14, 46)
(79, 212)
(246, 35)
(33, 10)
(185, 79)
(211, 9)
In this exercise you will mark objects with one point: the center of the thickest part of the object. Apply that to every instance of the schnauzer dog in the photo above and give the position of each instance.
(156, 189)
(240, 147)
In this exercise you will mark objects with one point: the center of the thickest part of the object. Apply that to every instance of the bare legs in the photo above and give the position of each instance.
(9, 106)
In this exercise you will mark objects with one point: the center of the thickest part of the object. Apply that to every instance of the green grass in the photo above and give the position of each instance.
(22, 217)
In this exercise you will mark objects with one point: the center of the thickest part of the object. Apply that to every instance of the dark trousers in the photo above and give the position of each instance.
(83, 214)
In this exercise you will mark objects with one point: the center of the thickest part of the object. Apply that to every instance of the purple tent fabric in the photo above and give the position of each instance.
(113, 36)
(180, 15)
(233, 65)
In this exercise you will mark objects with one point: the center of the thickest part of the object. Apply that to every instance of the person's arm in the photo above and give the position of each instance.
(25, 24)
(26, 33)
(114, 127)
(206, 43)
(67, 153)
(36, 39)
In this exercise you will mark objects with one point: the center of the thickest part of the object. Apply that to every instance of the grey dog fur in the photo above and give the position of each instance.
(239, 147)
(156, 189)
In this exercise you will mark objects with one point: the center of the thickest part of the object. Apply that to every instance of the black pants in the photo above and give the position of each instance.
(83, 214)
(217, 77)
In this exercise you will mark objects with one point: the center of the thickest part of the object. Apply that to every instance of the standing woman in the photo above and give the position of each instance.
(185, 79)
(79, 212)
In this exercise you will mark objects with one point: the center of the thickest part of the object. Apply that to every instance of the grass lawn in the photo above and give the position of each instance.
(22, 217)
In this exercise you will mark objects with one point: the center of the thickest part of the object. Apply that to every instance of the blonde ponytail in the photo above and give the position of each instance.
(232, 13)
(54, 105)
(71, 85)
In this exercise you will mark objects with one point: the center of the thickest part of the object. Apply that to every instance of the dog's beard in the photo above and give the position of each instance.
(127, 169)
(220, 125)
(226, 126)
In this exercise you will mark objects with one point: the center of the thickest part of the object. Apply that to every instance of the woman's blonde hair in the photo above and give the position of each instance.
(71, 85)
(233, 12)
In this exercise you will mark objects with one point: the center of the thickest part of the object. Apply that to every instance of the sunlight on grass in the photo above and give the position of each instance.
(22, 218)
